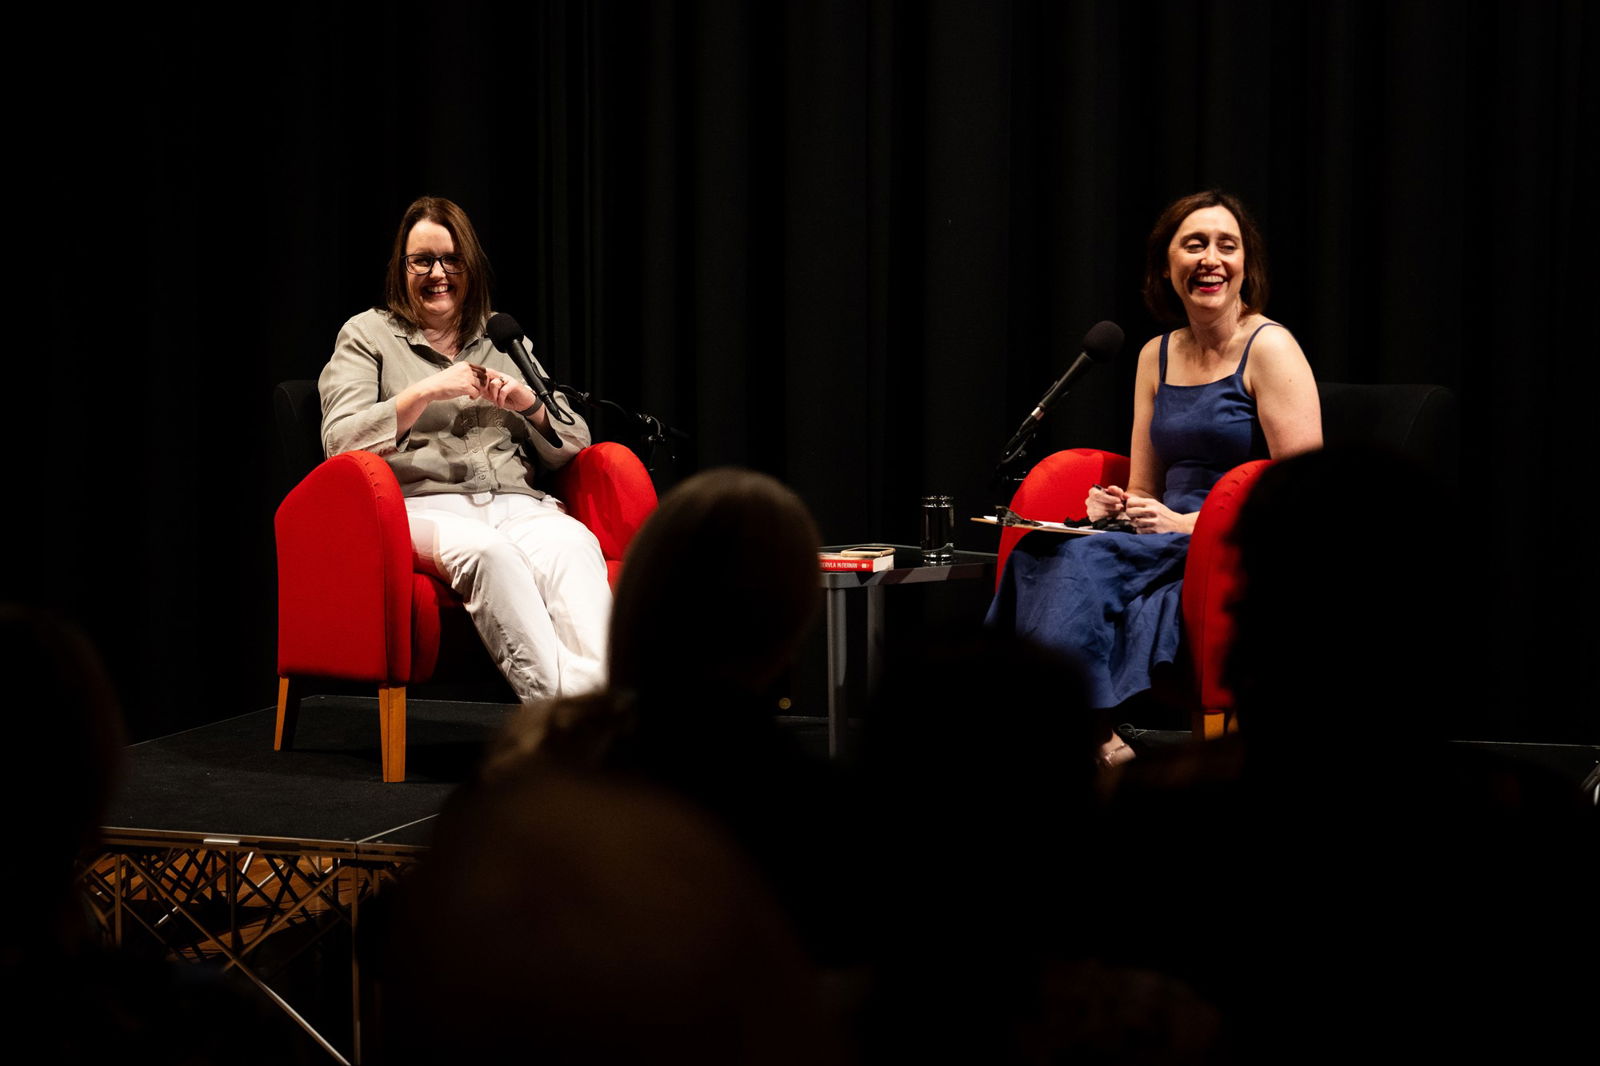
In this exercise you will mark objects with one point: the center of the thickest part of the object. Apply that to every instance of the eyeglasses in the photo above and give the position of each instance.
(423, 264)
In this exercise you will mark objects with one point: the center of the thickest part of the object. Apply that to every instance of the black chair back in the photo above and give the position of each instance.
(1421, 422)
(298, 409)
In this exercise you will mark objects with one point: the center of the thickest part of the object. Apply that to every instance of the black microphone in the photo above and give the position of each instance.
(1102, 342)
(507, 336)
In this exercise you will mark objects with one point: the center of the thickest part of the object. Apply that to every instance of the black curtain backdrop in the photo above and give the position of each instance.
(845, 243)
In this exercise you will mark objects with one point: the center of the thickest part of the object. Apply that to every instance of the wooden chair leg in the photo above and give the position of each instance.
(288, 714)
(1211, 726)
(392, 730)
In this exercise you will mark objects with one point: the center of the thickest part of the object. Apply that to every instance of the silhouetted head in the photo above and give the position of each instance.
(1346, 621)
(70, 722)
(564, 917)
(718, 588)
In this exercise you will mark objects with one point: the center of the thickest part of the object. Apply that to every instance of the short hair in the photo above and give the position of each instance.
(1311, 634)
(1159, 296)
(553, 902)
(397, 294)
(718, 589)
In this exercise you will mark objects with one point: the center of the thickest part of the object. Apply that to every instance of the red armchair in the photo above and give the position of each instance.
(350, 604)
(1056, 489)
(1210, 582)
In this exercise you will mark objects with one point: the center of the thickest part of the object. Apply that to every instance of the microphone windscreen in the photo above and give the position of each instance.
(503, 329)
(1102, 342)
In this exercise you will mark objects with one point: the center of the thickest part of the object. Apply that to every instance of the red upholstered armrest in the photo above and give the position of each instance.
(607, 488)
(1211, 581)
(344, 573)
(1055, 489)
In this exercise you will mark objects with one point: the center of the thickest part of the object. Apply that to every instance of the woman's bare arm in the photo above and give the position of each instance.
(1280, 379)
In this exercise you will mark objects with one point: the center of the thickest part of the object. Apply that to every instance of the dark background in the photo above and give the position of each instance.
(845, 243)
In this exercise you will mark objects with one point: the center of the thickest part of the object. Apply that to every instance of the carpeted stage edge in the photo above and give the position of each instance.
(224, 780)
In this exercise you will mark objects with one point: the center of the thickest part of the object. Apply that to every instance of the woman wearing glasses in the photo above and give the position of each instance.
(418, 382)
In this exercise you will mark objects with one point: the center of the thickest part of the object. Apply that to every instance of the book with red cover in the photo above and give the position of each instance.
(867, 559)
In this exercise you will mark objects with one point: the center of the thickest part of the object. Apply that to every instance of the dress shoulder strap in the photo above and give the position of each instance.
(1162, 379)
(1246, 356)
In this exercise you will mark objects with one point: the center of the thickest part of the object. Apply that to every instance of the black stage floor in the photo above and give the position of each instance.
(224, 780)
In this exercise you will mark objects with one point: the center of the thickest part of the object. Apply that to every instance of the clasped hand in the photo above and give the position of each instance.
(1147, 514)
(480, 383)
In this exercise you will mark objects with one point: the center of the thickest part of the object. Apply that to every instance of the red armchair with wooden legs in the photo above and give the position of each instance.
(350, 603)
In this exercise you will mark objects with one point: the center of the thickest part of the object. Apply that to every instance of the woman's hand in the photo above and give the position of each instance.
(1150, 515)
(459, 379)
(511, 393)
(507, 392)
(1105, 502)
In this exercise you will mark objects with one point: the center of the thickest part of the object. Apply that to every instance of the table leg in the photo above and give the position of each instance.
(838, 608)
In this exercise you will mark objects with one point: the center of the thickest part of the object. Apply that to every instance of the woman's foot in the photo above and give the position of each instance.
(1115, 752)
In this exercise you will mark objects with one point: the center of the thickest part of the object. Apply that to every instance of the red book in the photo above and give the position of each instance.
(868, 559)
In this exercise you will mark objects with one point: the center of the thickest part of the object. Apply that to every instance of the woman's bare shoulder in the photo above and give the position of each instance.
(1151, 351)
(1273, 337)
(1276, 351)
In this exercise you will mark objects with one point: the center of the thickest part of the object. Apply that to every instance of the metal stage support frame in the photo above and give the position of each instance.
(241, 902)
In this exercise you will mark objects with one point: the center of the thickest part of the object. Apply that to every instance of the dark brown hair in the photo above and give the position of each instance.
(718, 590)
(397, 294)
(1159, 296)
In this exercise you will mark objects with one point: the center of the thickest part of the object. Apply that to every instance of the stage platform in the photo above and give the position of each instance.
(218, 849)
(224, 779)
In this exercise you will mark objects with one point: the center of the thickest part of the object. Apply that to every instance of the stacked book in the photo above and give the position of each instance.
(867, 559)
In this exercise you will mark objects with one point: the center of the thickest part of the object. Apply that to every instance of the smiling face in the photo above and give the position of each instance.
(437, 296)
(1205, 261)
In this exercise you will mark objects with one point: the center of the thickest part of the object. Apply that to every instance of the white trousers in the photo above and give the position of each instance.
(532, 578)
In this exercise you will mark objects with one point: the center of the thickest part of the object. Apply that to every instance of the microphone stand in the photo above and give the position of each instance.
(1013, 465)
(653, 433)
(1103, 340)
(1007, 470)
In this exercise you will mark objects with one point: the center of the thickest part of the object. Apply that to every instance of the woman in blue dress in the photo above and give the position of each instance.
(1228, 386)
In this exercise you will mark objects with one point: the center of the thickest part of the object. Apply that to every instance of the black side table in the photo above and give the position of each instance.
(852, 678)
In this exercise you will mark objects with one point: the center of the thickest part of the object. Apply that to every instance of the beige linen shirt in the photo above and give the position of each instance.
(458, 445)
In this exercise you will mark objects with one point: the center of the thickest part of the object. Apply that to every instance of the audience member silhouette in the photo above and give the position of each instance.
(1430, 860)
(718, 590)
(66, 718)
(1340, 875)
(989, 929)
(568, 917)
(74, 999)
